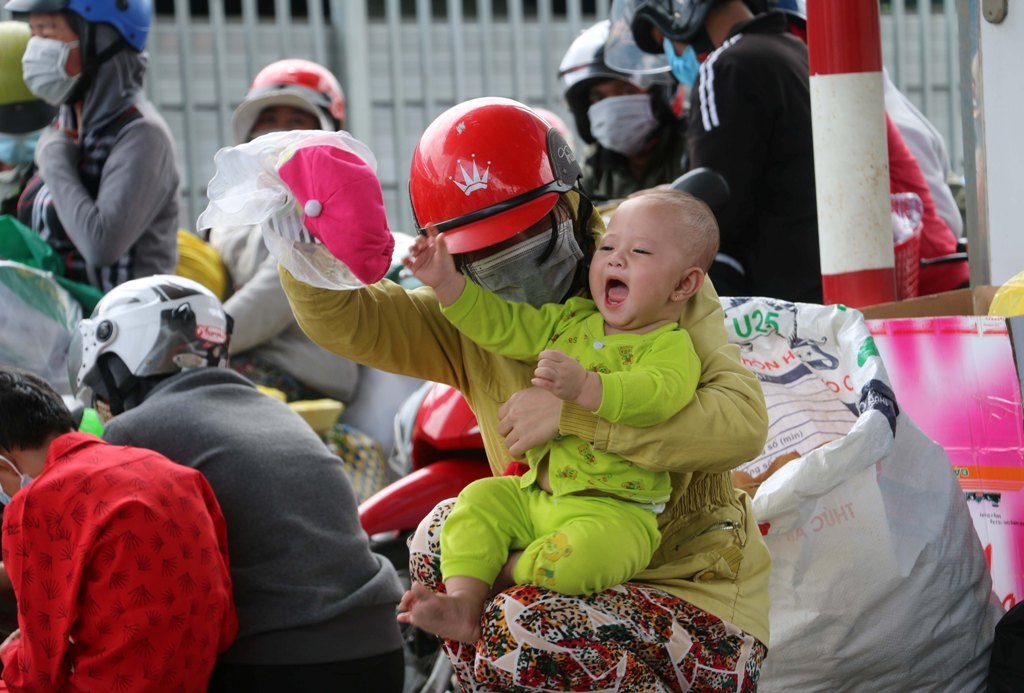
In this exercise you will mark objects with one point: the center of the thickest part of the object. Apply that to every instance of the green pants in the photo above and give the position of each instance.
(571, 544)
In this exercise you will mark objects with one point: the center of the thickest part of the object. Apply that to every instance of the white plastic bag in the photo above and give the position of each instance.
(879, 581)
(37, 319)
(246, 189)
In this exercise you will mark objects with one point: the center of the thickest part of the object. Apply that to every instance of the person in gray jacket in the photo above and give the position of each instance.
(316, 608)
(106, 194)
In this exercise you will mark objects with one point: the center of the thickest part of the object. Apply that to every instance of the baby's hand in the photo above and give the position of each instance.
(429, 260)
(559, 373)
(431, 263)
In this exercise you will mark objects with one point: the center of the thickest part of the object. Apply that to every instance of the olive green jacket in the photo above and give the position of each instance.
(712, 553)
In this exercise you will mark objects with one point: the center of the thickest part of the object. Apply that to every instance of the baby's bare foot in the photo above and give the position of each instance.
(450, 616)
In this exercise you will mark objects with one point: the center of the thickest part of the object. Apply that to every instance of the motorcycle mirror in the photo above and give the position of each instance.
(705, 184)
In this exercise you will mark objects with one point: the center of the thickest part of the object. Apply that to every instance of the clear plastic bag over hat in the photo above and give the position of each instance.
(246, 189)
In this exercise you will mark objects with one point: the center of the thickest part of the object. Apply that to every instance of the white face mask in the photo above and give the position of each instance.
(516, 273)
(44, 67)
(623, 124)
(25, 481)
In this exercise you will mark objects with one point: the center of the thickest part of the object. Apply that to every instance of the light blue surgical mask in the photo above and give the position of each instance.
(684, 67)
(16, 150)
(25, 481)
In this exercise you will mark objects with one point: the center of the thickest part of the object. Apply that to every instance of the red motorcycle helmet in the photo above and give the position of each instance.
(292, 82)
(487, 169)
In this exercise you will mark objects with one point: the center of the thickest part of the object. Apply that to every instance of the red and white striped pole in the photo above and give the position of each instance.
(851, 162)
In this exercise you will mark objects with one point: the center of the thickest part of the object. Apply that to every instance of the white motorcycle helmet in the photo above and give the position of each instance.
(583, 65)
(141, 332)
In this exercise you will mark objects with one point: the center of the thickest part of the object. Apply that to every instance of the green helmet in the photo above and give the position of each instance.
(20, 110)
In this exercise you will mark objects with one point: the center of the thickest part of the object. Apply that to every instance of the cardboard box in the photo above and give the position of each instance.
(973, 301)
(956, 375)
(1015, 327)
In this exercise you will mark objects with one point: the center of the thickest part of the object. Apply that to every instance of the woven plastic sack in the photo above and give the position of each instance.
(36, 323)
(879, 581)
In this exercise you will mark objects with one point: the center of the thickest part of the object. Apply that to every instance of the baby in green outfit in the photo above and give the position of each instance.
(580, 520)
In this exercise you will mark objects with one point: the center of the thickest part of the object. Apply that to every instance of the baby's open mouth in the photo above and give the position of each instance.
(615, 292)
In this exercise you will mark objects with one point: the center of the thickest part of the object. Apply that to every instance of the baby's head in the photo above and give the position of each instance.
(653, 258)
(686, 217)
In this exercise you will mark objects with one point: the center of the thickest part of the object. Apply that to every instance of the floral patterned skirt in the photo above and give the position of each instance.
(631, 638)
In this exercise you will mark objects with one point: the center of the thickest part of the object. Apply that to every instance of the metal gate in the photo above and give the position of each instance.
(402, 62)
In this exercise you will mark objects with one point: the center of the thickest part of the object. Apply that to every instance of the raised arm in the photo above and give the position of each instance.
(383, 326)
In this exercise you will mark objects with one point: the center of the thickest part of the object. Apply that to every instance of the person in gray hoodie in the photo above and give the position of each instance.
(316, 609)
(106, 194)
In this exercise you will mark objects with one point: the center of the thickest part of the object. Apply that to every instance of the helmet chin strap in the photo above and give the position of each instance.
(91, 62)
(126, 392)
(112, 388)
(581, 228)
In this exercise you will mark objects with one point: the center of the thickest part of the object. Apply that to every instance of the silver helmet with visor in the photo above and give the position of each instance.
(144, 330)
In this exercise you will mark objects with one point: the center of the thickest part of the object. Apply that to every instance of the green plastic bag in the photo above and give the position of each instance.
(21, 244)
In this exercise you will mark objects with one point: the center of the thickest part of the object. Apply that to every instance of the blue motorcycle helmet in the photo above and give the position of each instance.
(797, 8)
(130, 18)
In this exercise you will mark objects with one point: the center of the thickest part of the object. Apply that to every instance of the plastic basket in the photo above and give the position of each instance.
(908, 266)
(908, 222)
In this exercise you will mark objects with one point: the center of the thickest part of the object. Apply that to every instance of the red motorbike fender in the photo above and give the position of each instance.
(401, 505)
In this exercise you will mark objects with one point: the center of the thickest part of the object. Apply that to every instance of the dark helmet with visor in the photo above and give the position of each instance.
(633, 20)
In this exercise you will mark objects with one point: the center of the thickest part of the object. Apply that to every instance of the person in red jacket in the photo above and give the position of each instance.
(906, 175)
(117, 556)
(937, 239)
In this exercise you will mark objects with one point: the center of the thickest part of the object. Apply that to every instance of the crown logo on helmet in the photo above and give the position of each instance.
(472, 180)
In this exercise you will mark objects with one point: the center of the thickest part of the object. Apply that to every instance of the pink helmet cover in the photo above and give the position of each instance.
(343, 206)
